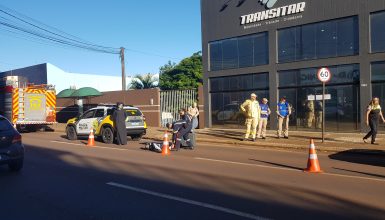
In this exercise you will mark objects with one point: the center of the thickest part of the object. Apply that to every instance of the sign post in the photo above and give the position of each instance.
(324, 75)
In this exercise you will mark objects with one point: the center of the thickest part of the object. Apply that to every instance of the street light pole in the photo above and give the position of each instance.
(123, 69)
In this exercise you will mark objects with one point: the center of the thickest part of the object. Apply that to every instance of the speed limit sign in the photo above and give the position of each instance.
(324, 75)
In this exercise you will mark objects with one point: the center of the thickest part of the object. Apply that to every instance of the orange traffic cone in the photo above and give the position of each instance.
(165, 147)
(313, 163)
(91, 139)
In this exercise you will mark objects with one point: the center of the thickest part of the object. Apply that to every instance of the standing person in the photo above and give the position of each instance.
(373, 115)
(119, 118)
(284, 112)
(252, 111)
(193, 111)
(265, 112)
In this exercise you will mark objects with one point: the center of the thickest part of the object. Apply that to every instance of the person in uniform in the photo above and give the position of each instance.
(309, 113)
(373, 115)
(252, 110)
(283, 112)
(265, 112)
(119, 118)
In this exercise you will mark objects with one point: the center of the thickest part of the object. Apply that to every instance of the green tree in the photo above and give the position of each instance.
(146, 81)
(185, 75)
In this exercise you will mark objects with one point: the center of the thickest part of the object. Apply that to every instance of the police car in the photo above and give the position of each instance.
(100, 120)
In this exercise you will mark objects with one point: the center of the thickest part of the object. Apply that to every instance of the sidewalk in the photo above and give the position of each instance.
(299, 140)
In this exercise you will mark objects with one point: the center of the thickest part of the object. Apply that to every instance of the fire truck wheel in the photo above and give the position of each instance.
(71, 133)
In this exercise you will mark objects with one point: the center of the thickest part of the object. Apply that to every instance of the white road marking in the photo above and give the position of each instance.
(83, 145)
(289, 169)
(188, 201)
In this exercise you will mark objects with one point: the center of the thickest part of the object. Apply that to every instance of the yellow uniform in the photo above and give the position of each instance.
(252, 111)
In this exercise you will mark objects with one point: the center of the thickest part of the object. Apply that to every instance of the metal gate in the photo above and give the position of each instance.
(172, 101)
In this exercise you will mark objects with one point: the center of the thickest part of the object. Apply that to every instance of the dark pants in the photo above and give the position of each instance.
(373, 124)
(183, 133)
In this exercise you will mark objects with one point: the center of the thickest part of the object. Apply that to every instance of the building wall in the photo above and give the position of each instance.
(220, 24)
(147, 100)
(35, 74)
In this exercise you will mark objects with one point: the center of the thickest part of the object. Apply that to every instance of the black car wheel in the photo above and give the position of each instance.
(107, 135)
(16, 165)
(71, 133)
(136, 137)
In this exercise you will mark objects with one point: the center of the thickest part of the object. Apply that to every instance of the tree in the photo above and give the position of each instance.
(146, 81)
(186, 75)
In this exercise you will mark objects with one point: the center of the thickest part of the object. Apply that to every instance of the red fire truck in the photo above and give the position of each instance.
(26, 105)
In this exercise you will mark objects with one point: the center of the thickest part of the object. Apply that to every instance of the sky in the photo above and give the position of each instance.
(168, 30)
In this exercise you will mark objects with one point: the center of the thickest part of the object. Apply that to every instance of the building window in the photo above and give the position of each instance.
(228, 93)
(320, 40)
(377, 24)
(240, 52)
(301, 88)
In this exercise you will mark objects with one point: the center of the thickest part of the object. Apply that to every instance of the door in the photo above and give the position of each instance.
(85, 123)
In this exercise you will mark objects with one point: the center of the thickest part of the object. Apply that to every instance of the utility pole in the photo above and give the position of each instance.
(123, 69)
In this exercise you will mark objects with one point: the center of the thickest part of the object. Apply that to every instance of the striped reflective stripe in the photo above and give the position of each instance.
(313, 156)
(15, 105)
(312, 146)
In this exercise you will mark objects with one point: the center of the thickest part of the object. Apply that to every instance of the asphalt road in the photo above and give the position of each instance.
(67, 180)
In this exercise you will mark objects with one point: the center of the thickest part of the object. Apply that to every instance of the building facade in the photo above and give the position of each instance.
(274, 48)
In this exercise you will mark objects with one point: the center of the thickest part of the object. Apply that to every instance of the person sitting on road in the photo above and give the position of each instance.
(181, 128)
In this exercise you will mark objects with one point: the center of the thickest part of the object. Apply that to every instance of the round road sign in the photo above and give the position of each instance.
(324, 75)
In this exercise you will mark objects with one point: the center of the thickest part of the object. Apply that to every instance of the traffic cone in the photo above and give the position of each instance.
(165, 147)
(313, 163)
(91, 139)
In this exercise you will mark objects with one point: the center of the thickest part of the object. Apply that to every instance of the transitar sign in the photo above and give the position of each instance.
(273, 13)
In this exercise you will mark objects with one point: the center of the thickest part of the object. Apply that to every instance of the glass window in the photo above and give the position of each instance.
(320, 40)
(307, 37)
(99, 113)
(216, 56)
(377, 22)
(247, 51)
(89, 114)
(133, 112)
(240, 82)
(287, 45)
(261, 49)
(378, 71)
(261, 81)
(347, 39)
(5, 125)
(305, 77)
(230, 54)
(326, 41)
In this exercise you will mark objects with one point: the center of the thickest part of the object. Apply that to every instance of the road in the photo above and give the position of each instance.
(66, 180)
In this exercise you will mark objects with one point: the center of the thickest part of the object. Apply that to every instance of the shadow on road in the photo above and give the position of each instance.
(68, 185)
(361, 156)
(360, 172)
(277, 164)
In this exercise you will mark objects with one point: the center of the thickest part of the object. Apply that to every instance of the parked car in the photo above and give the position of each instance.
(100, 119)
(11, 146)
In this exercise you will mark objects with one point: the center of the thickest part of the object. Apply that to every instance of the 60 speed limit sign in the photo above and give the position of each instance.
(324, 75)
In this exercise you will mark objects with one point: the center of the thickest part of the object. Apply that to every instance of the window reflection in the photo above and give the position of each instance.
(377, 22)
(321, 40)
(246, 51)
